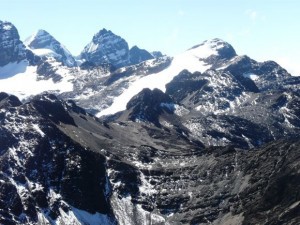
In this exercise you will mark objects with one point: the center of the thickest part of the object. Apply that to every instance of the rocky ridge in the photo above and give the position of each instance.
(108, 48)
(205, 137)
(54, 155)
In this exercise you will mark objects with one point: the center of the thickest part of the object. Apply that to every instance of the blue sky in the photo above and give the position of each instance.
(262, 29)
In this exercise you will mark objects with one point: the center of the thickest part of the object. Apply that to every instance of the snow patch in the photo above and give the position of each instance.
(45, 52)
(77, 216)
(146, 187)
(37, 128)
(251, 76)
(7, 27)
(92, 47)
(128, 213)
(181, 110)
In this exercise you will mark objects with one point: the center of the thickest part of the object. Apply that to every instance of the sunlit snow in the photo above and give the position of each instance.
(190, 60)
(7, 27)
(45, 52)
(20, 79)
(77, 216)
(31, 38)
(251, 76)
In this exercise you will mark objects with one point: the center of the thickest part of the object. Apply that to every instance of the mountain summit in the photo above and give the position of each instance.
(11, 48)
(44, 44)
(109, 48)
(106, 47)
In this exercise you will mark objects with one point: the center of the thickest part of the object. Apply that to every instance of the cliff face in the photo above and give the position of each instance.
(11, 48)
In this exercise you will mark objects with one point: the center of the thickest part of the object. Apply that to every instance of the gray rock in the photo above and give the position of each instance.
(11, 48)
(106, 47)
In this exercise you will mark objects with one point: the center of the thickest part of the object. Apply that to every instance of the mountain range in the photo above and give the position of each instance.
(119, 135)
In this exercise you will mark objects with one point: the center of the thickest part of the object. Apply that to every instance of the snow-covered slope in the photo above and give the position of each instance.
(45, 45)
(193, 60)
(22, 80)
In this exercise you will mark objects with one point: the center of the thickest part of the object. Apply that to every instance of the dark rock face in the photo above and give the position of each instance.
(184, 84)
(211, 86)
(137, 55)
(269, 74)
(148, 105)
(8, 100)
(46, 71)
(11, 48)
(43, 40)
(52, 108)
(43, 170)
(33, 59)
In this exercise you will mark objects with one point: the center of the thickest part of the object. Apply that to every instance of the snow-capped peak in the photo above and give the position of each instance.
(107, 47)
(215, 43)
(39, 34)
(44, 44)
(216, 47)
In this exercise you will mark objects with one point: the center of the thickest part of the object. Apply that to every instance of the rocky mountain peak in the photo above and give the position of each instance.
(11, 48)
(38, 39)
(138, 55)
(44, 44)
(42, 32)
(102, 34)
(148, 105)
(109, 48)
(106, 47)
(217, 52)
